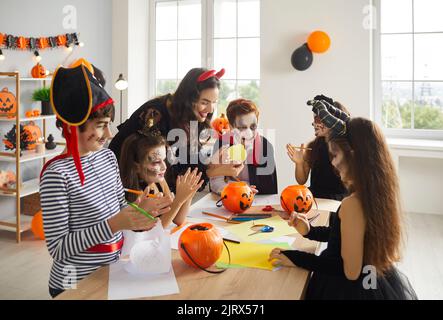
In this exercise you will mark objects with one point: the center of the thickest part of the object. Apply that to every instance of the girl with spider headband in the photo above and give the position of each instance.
(143, 165)
(192, 103)
(365, 235)
(324, 183)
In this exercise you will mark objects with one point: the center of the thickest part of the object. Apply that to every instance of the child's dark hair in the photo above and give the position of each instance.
(314, 154)
(133, 152)
(188, 93)
(105, 112)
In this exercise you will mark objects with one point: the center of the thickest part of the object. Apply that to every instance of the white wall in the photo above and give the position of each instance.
(130, 29)
(342, 72)
(45, 18)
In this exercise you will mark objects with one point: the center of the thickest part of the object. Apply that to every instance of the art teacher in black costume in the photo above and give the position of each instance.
(189, 109)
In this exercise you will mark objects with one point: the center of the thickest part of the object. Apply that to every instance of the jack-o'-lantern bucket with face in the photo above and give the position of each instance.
(236, 197)
(200, 246)
(296, 198)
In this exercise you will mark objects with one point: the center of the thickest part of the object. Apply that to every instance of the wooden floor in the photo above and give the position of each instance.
(24, 268)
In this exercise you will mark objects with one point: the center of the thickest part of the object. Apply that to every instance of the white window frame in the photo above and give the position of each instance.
(207, 41)
(377, 85)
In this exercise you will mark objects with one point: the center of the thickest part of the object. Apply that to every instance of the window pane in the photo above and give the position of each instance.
(428, 108)
(225, 18)
(227, 94)
(166, 86)
(396, 57)
(166, 59)
(166, 20)
(396, 16)
(429, 56)
(225, 57)
(189, 56)
(249, 58)
(428, 15)
(250, 89)
(248, 18)
(397, 104)
(189, 19)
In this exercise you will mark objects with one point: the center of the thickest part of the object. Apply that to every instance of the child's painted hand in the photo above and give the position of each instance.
(278, 259)
(187, 185)
(155, 206)
(300, 222)
(296, 155)
(130, 219)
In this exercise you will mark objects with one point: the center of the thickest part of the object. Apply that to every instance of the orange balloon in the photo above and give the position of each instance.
(83, 61)
(319, 42)
(37, 226)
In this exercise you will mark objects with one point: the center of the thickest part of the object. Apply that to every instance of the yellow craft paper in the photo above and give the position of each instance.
(251, 255)
(281, 228)
(237, 153)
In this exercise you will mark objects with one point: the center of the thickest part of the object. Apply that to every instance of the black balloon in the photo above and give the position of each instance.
(302, 58)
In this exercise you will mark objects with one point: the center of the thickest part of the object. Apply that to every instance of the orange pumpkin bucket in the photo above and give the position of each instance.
(296, 198)
(221, 125)
(236, 197)
(200, 246)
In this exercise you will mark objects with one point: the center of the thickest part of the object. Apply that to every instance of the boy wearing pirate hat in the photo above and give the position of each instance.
(82, 198)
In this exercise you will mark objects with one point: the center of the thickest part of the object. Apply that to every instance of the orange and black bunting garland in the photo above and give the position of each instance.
(8, 41)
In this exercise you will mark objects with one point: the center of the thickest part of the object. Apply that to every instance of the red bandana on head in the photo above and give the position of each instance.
(75, 94)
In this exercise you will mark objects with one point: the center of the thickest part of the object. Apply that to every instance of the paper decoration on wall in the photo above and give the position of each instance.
(302, 57)
(8, 41)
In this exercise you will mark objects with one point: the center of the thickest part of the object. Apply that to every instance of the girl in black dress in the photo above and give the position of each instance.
(364, 235)
(325, 183)
(189, 111)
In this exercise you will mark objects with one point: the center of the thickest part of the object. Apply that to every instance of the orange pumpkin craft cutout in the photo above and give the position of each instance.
(236, 197)
(296, 198)
(221, 125)
(200, 246)
(38, 71)
(34, 134)
(8, 105)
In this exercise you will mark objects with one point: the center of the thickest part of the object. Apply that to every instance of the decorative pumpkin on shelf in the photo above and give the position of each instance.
(296, 198)
(37, 226)
(8, 103)
(236, 197)
(34, 136)
(200, 245)
(38, 71)
(221, 125)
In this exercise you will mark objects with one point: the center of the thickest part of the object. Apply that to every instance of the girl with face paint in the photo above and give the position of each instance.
(325, 182)
(259, 168)
(143, 167)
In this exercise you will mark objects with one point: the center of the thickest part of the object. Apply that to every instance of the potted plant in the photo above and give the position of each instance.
(43, 96)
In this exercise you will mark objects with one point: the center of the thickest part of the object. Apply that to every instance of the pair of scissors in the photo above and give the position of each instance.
(263, 228)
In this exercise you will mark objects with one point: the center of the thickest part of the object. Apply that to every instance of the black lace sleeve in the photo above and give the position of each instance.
(318, 234)
(325, 264)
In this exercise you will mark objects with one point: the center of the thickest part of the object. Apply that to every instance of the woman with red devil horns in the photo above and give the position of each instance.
(185, 115)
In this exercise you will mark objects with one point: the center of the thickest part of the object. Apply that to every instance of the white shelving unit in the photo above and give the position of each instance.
(20, 222)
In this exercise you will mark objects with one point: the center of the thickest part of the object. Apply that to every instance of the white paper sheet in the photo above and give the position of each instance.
(124, 285)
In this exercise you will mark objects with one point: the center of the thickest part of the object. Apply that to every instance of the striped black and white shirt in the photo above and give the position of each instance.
(75, 216)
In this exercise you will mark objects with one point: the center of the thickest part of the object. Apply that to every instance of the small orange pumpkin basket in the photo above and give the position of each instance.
(297, 198)
(236, 197)
(201, 245)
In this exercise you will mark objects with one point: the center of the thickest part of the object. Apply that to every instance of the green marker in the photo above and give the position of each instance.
(141, 210)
